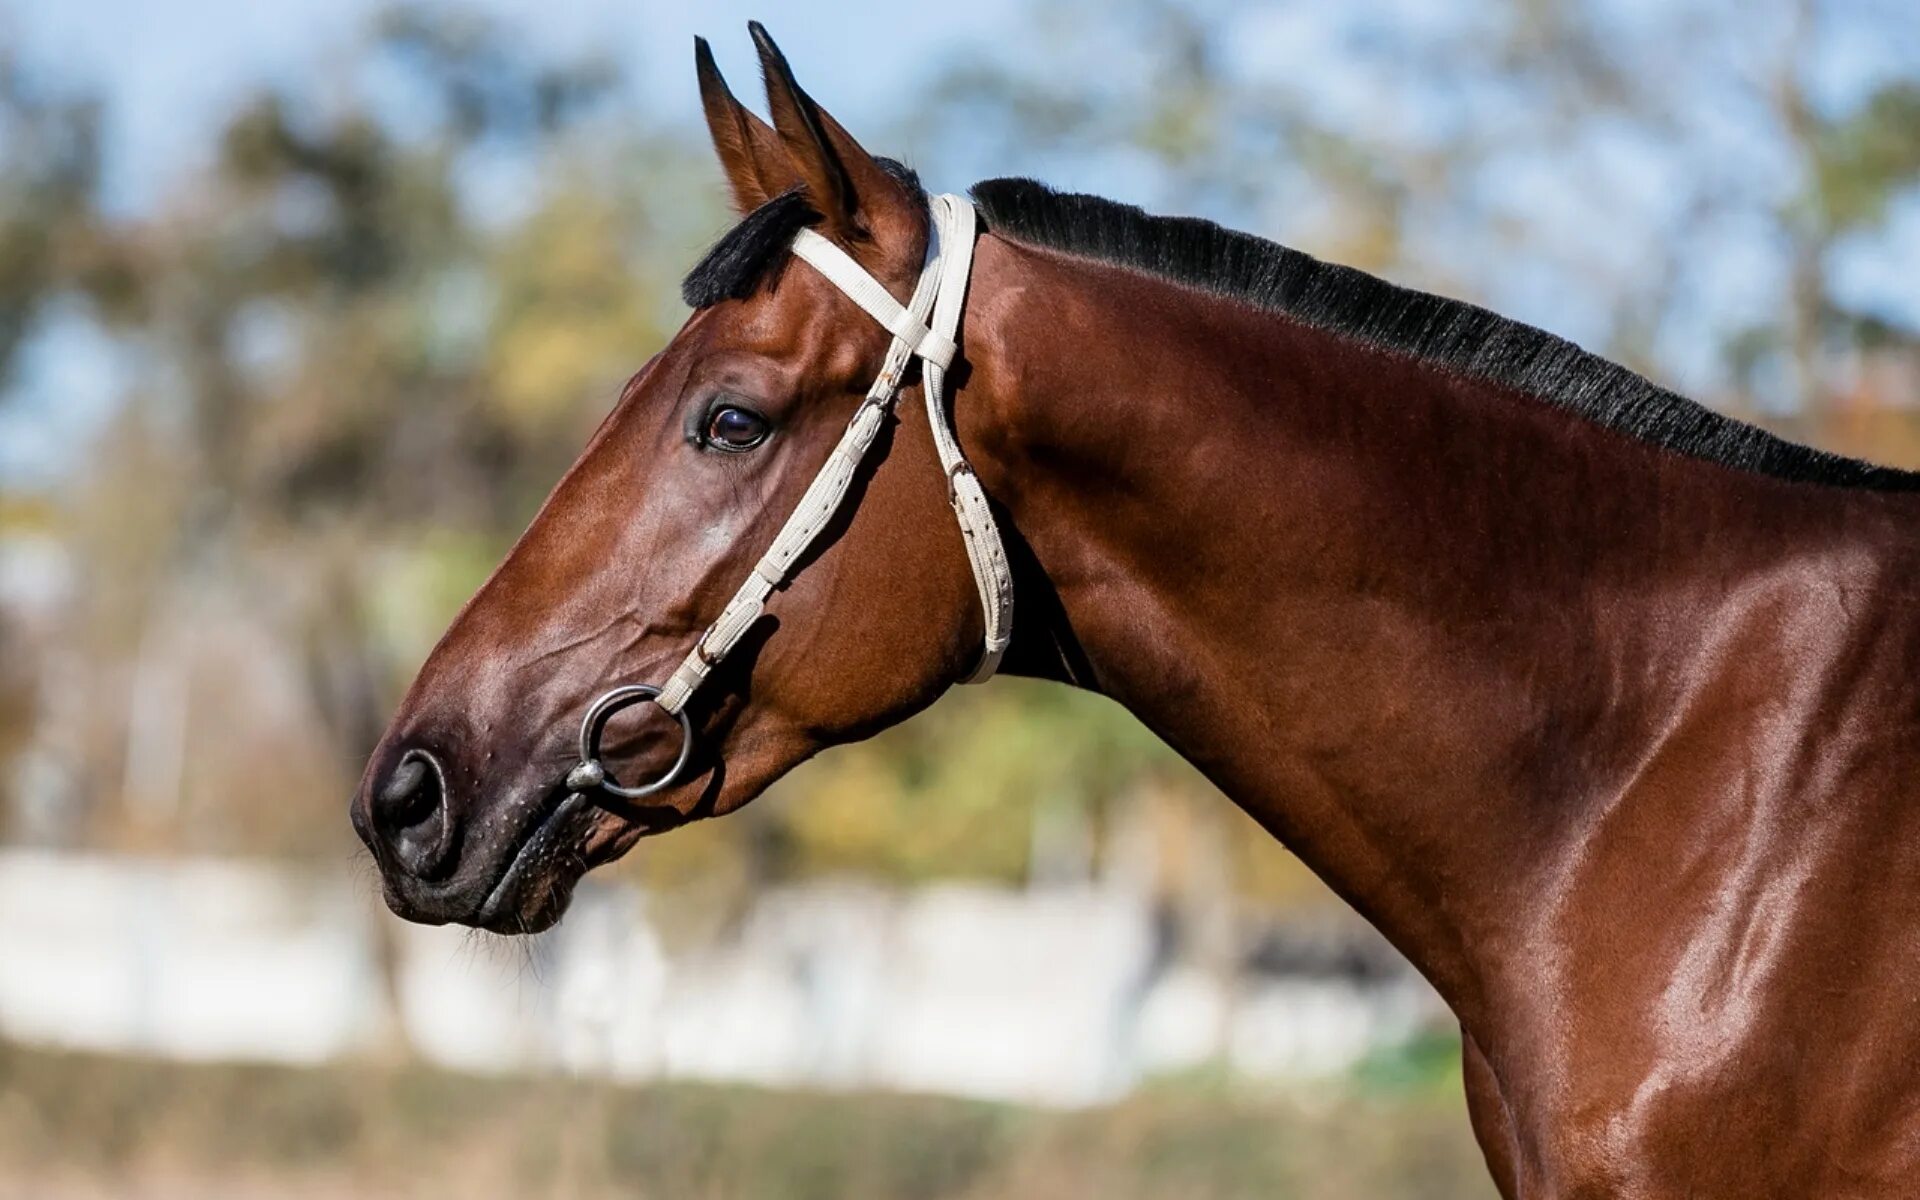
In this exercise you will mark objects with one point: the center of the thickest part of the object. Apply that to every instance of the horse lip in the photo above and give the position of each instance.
(536, 840)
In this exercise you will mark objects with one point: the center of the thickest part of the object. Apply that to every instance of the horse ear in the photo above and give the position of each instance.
(859, 201)
(752, 155)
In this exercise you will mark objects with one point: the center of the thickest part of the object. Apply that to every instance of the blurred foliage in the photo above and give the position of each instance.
(51, 236)
(1506, 150)
(160, 1129)
(1868, 157)
(353, 385)
(1427, 1062)
(961, 791)
(357, 347)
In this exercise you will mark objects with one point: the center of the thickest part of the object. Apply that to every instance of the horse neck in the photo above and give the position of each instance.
(1419, 628)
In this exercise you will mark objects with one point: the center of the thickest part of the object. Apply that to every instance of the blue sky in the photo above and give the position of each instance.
(170, 70)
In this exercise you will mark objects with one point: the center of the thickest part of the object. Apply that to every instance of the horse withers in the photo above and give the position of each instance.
(1604, 708)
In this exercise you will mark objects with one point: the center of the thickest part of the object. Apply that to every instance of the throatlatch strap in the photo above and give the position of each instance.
(926, 326)
(986, 552)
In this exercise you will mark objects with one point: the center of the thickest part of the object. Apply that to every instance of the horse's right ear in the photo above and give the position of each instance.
(862, 205)
(752, 156)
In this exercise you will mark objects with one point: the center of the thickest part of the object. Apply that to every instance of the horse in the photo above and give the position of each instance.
(1602, 707)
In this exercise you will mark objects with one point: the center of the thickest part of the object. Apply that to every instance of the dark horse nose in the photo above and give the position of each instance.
(410, 818)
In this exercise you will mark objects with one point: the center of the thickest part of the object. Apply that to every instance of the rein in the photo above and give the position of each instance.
(925, 327)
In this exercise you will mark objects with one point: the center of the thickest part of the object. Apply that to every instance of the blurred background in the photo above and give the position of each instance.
(304, 306)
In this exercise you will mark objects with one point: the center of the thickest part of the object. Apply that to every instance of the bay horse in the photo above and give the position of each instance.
(1604, 708)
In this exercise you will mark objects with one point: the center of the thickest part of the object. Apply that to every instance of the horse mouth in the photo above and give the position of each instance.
(574, 832)
(536, 884)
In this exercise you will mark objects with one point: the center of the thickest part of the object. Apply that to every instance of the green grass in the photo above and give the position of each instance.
(117, 1125)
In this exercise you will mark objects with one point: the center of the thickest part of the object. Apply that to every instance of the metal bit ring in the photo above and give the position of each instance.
(589, 775)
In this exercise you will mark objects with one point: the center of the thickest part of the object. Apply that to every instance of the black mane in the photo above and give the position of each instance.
(1460, 336)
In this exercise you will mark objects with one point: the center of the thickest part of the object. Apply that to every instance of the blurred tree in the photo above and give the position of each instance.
(1556, 149)
(358, 381)
(53, 240)
(377, 327)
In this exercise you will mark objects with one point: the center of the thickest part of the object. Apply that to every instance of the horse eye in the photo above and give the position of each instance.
(731, 428)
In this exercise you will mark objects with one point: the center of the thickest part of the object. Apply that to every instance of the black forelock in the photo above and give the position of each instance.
(749, 253)
(745, 254)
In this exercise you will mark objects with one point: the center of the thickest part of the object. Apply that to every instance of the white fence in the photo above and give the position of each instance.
(1053, 996)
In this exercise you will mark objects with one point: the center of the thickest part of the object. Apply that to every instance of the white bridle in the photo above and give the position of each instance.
(925, 327)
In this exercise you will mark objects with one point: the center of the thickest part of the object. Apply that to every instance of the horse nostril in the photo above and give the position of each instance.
(410, 814)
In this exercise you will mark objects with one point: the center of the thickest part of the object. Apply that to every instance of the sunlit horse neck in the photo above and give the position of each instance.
(1604, 708)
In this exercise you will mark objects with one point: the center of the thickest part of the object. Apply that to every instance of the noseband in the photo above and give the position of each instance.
(925, 328)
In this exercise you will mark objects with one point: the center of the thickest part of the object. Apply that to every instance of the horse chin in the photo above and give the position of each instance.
(536, 907)
(534, 887)
(538, 882)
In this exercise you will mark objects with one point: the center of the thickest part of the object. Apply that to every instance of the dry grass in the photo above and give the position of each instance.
(78, 1126)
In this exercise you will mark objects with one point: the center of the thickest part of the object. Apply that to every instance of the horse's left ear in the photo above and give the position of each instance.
(862, 205)
(752, 157)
